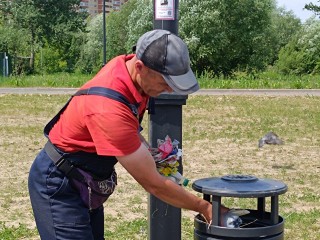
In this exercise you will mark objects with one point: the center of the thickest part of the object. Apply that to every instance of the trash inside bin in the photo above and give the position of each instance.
(258, 224)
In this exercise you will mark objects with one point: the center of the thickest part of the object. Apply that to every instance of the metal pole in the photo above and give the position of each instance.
(7, 65)
(104, 34)
(216, 215)
(261, 206)
(274, 209)
(4, 65)
(164, 220)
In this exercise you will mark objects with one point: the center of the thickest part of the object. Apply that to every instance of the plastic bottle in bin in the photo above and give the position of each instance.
(178, 178)
(232, 218)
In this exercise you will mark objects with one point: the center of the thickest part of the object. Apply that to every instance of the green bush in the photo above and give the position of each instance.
(49, 61)
(302, 54)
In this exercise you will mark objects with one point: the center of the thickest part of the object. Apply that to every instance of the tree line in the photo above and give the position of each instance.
(223, 36)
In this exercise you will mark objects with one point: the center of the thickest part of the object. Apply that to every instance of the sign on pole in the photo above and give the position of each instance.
(164, 10)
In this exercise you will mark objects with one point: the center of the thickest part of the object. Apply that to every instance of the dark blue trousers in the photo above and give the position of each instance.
(58, 209)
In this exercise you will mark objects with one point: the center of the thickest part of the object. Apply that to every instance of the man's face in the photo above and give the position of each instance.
(152, 83)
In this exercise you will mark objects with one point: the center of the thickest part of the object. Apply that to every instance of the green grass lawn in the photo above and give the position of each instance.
(266, 80)
(220, 136)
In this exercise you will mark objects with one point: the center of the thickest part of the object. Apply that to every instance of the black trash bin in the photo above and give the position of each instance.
(259, 224)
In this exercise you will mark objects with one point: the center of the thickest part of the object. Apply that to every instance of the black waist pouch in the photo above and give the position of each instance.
(93, 176)
(94, 192)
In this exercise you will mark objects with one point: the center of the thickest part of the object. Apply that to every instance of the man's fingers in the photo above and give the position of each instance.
(209, 224)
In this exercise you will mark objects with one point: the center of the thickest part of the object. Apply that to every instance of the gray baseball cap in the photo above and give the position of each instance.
(166, 53)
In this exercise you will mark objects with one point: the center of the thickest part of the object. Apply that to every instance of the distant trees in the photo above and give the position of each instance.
(140, 21)
(313, 7)
(284, 26)
(90, 59)
(43, 23)
(223, 36)
(302, 54)
(123, 30)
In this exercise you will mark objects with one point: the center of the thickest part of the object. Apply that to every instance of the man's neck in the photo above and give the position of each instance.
(130, 64)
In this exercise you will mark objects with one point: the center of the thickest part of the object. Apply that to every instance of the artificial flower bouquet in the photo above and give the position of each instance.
(166, 157)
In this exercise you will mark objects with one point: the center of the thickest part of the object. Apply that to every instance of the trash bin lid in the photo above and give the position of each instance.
(239, 186)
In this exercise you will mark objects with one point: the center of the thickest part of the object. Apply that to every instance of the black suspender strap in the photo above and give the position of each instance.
(151, 106)
(110, 93)
(100, 91)
(53, 121)
(59, 157)
(62, 164)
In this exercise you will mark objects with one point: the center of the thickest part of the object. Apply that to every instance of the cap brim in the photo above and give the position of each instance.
(183, 84)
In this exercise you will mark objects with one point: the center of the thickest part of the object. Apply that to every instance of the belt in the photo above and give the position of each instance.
(62, 164)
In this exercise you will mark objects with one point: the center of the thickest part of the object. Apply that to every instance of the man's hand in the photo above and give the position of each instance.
(141, 166)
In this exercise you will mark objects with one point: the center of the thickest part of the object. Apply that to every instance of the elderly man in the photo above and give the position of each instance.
(99, 127)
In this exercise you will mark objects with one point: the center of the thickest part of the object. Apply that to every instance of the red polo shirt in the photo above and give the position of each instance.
(99, 124)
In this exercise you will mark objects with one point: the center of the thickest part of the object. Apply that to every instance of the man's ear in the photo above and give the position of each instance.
(140, 67)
